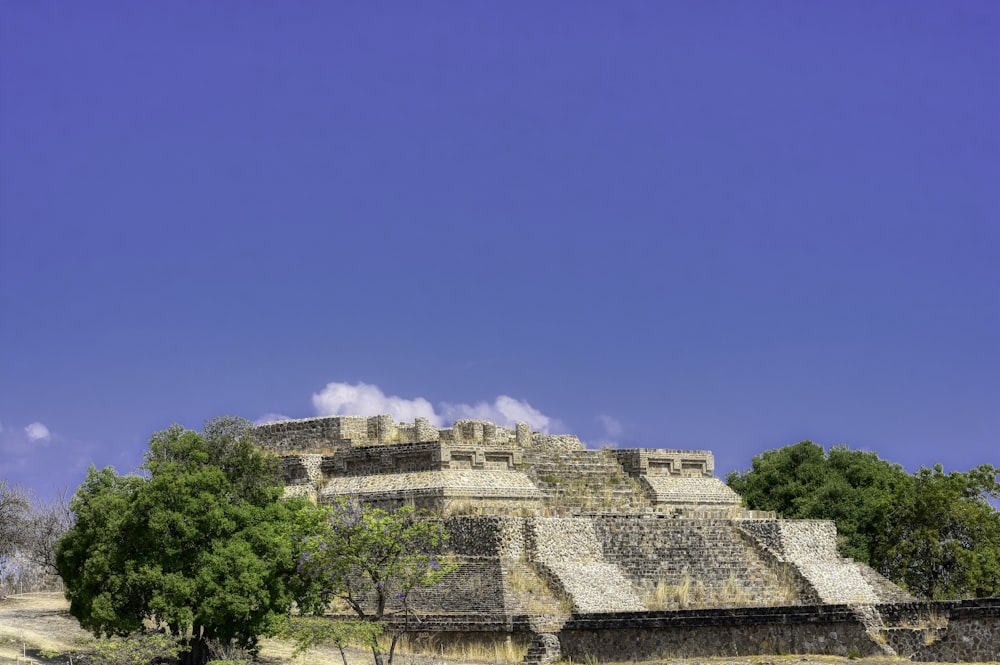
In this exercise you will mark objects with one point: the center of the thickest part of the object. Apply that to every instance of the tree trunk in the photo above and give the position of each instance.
(196, 653)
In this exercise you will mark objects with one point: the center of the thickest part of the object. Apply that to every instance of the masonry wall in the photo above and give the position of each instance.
(812, 629)
(711, 558)
(311, 435)
(637, 562)
(972, 633)
(966, 631)
(472, 595)
(474, 590)
(566, 477)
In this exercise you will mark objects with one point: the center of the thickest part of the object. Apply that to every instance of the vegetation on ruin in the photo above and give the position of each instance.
(200, 545)
(934, 533)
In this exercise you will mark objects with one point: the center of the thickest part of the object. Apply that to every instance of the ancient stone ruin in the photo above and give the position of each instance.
(615, 553)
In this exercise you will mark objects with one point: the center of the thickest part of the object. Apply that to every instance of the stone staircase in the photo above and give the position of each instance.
(567, 553)
(583, 480)
(543, 649)
(838, 582)
(886, 591)
(810, 547)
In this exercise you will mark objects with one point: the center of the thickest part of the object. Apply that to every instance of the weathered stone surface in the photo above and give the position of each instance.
(972, 634)
(543, 649)
(810, 547)
(682, 491)
(452, 482)
(385, 459)
(568, 549)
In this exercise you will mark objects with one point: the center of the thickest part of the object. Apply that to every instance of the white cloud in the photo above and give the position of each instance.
(503, 411)
(363, 399)
(38, 432)
(270, 418)
(612, 427)
(343, 399)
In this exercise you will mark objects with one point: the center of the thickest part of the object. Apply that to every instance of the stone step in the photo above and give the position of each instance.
(543, 649)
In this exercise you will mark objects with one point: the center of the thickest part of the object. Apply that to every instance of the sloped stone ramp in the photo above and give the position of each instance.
(568, 553)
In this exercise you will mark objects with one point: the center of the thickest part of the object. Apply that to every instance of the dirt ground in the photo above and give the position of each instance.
(35, 622)
(30, 623)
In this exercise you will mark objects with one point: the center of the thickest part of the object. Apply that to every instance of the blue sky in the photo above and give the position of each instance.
(721, 225)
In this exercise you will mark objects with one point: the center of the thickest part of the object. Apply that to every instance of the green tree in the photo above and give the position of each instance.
(370, 560)
(200, 545)
(942, 537)
(802, 481)
(307, 632)
(933, 533)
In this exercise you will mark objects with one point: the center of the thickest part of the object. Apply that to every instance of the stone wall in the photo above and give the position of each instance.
(972, 633)
(330, 433)
(582, 480)
(665, 461)
(946, 631)
(813, 629)
(700, 562)
(378, 460)
(632, 562)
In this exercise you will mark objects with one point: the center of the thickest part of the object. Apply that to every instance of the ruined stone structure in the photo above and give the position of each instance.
(616, 553)
(479, 467)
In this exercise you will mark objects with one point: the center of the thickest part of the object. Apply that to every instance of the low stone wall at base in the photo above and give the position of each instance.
(706, 633)
(949, 631)
(972, 635)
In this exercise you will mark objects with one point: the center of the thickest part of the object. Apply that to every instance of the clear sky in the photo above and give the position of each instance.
(722, 225)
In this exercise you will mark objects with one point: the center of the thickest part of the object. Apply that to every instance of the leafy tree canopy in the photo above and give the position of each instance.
(942, 537)
(933, 533)
(201, 544)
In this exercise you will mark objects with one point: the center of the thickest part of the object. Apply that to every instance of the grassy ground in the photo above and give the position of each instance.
(31, 623)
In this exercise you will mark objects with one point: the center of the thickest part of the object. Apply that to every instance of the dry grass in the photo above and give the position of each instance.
(532, 593)
(686, 594)
(487, 651)
(36, 621)
(689, 593)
